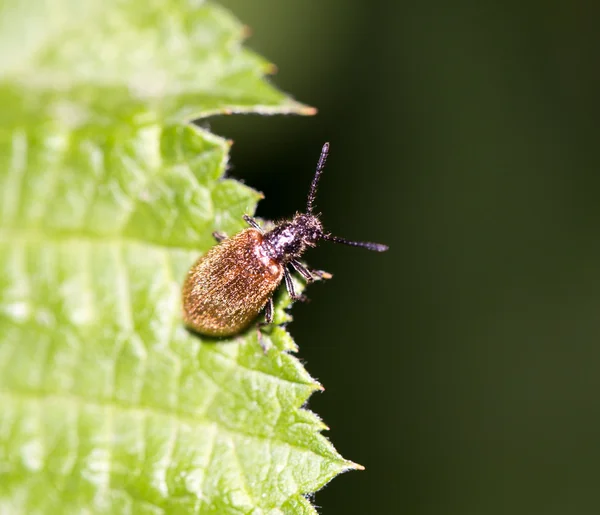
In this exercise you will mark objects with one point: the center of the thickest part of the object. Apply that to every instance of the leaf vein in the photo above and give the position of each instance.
(143, 411)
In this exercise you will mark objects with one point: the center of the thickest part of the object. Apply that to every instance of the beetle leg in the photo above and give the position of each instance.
(322, 274)
(302, 270)
(309, 274)
(219, 236)
(269, 311)
(268, 321)
(252, 223)
(289, 284)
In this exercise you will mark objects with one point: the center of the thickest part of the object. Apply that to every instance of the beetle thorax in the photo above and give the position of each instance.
(289, 239)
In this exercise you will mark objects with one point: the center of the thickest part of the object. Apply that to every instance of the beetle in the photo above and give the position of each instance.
(228, 287)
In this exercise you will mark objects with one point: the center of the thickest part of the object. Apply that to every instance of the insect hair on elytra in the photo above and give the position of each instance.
(233, 282)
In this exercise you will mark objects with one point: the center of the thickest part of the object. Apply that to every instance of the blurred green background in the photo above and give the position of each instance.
(462, 367)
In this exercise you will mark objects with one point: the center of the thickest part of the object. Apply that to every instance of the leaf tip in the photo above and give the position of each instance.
(307, 110)
(271, 69)
(246, 31)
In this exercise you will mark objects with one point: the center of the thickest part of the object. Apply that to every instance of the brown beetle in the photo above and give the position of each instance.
(229, 286)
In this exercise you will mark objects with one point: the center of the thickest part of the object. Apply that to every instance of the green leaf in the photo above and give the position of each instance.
(133, 60)
(107, 403)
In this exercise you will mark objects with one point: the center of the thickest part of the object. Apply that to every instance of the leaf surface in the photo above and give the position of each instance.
(107, 403)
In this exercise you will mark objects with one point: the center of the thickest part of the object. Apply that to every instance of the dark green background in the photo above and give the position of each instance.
(462, 368)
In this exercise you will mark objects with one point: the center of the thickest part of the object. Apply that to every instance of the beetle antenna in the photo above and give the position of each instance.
(315, 182)
(377, 247)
